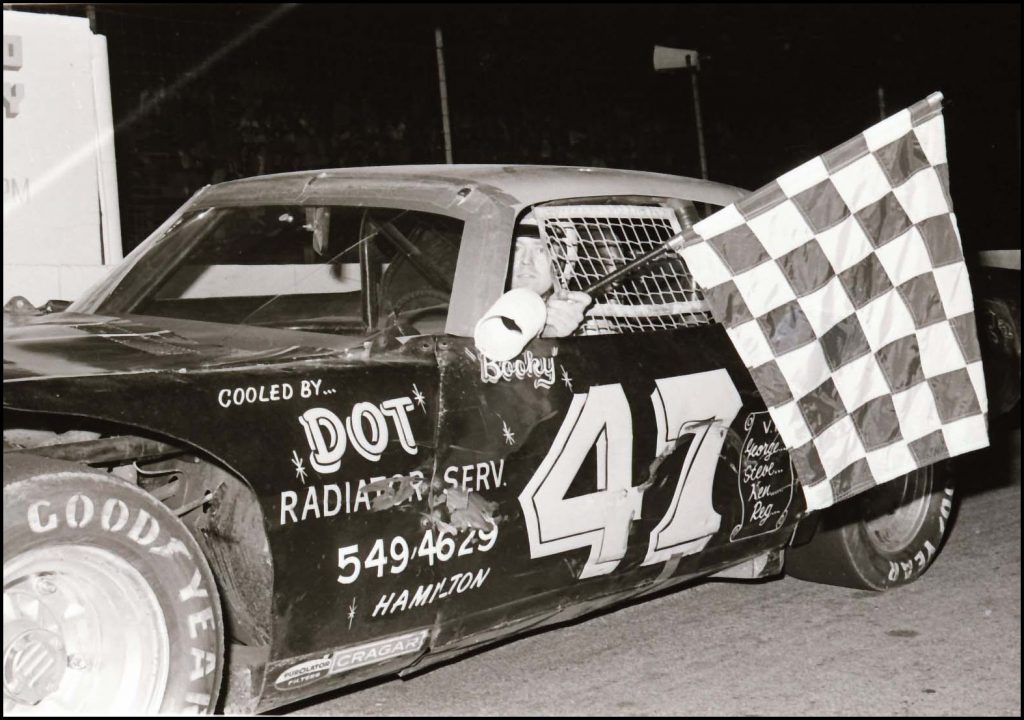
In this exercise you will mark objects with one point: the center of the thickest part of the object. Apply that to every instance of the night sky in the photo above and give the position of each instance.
(778, 84)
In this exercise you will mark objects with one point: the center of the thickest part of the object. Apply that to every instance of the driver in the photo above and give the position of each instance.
(531, 269)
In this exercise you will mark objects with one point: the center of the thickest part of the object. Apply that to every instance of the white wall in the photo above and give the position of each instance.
(61, 215)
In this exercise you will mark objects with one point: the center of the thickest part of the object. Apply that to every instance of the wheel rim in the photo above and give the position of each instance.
(83, 633)
(898, 510)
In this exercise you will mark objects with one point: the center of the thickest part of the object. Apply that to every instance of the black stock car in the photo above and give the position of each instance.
(264, 459)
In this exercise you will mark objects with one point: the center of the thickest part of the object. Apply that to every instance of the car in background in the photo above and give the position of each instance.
(264, 460)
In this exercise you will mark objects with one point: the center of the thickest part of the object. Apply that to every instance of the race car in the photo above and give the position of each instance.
(265, 459)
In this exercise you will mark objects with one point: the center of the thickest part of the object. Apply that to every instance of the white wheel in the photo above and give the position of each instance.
(83, 633)
(109, 605)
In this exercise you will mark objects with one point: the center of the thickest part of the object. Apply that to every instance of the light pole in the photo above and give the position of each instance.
(442, 83)
(666, 58)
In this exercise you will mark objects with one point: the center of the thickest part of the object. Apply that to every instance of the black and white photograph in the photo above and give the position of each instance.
(511, 359)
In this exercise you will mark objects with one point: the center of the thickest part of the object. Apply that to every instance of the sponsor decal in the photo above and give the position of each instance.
(528, 366)
(377, 651)
(323, 501)
(309, 671)
(368, 429)
(423, 595)
(304, 673)
(478, 476)
(272, 392)
(396, 554)
(765, 479)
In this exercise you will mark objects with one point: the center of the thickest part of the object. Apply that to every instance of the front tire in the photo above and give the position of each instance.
(883, 538)
(109, 604)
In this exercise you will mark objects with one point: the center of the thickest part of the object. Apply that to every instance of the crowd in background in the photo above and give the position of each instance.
(201, 96)
(223, 137)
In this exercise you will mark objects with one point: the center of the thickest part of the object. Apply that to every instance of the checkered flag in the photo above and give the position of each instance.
(842, 285)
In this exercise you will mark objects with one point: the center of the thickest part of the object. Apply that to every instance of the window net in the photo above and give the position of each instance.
(587, 242)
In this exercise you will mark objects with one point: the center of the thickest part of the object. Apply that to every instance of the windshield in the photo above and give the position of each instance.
(345, 270)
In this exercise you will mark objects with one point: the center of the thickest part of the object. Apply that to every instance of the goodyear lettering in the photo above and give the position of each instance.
(79, 512)
(922, 557)
(35, 522)
(193, 590)
(478, 476)
(945, 508)
(110, 522)
(145, 530)
(202, 620)
(367, 428)
(203, 663)
(333, 499)
(113, 515)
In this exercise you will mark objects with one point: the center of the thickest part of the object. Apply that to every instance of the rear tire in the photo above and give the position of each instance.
(109, 604)
(883, 538)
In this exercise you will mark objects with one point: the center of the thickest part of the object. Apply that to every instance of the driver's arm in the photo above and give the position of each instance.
(565, 313)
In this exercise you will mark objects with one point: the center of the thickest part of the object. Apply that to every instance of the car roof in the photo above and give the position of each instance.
(516, 186)
(488, 199)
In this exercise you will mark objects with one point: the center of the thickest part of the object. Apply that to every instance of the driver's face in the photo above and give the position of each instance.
(531, 267)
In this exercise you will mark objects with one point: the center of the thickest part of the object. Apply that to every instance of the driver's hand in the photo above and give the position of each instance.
(565, 313)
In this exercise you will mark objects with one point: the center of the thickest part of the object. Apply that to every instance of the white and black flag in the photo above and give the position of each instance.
(843, 286)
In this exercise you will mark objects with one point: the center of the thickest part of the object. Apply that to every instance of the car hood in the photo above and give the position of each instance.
(73, 344)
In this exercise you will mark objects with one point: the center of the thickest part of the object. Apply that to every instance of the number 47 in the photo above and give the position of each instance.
(702, 404)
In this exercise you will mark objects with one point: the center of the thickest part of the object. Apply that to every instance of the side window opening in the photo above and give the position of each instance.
(587, 242)
(419, 253)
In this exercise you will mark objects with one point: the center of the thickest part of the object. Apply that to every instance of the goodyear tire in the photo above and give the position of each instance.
(109, 605)
(881, 539)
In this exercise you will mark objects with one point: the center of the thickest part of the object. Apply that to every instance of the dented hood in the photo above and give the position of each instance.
(74, 344)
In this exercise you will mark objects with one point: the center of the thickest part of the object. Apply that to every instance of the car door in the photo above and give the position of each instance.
(611, 460)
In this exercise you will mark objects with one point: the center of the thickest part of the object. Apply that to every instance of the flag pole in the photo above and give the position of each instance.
(599, 287)
(700, 125)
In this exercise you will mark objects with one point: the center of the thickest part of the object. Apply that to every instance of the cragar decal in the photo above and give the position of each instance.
(377, 651)
(357, 656)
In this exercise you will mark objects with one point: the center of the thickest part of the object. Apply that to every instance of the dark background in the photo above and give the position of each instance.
(203, 93)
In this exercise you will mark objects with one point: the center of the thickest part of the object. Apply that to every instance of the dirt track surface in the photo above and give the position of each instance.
(948, 644)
